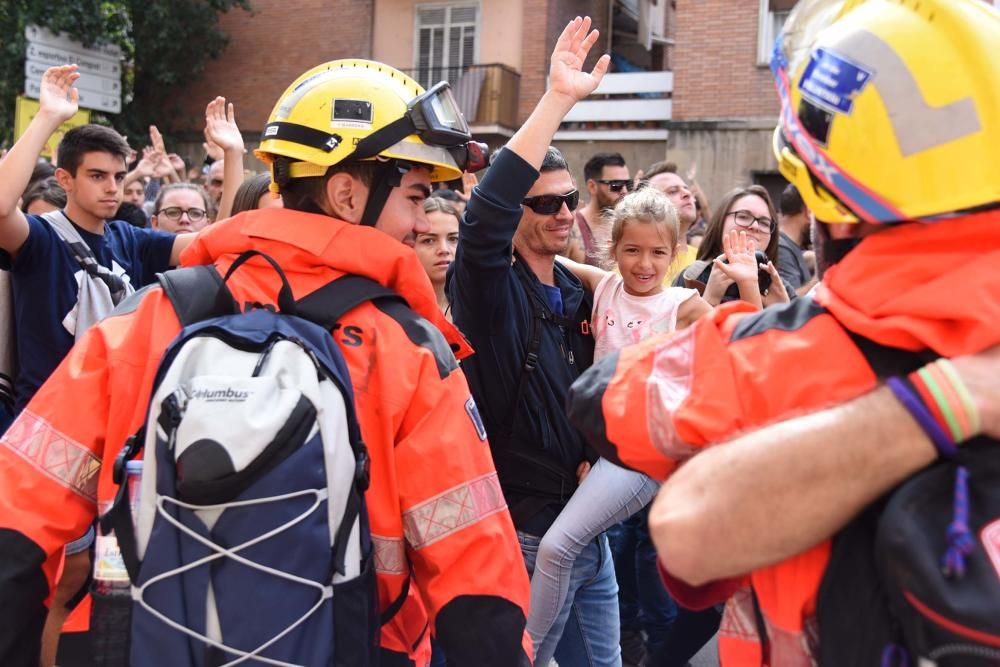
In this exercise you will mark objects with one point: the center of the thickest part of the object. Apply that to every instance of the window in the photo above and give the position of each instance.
(446, 41)
(773, 14)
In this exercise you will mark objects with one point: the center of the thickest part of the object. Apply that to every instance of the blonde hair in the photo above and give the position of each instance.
(647, 206)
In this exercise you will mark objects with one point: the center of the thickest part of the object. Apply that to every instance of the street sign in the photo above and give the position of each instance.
(25, 109)
(39, 35)
(52, 56)
(109, 103)
(34, 70)
(99, 67)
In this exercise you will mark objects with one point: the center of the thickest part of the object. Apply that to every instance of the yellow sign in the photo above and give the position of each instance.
(27, 108)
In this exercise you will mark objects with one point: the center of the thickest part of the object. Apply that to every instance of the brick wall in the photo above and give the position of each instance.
(269, 49)
(715, 62)
(542, 23)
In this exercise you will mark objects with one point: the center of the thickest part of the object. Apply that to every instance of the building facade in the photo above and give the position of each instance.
(494, 53)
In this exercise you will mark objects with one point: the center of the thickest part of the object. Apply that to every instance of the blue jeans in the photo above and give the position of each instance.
(609, 494)
(645, 602)
(586, 632)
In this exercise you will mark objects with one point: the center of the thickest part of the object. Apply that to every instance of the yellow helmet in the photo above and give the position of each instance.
(890, 108)
(362, 110)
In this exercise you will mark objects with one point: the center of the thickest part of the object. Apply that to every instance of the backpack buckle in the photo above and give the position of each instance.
(531, 361)
(362, 469)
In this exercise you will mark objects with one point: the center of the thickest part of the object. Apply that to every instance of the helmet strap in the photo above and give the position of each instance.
(388, 175)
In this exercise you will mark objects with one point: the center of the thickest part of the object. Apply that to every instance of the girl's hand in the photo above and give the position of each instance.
(776, 293)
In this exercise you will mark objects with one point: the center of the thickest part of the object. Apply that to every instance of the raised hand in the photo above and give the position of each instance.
(221, 128)
(566, 75)
(163, 169)
(157, 139)
(58, 97)
(741, 264)
(147, 165)
(212, 149)
(469, 181)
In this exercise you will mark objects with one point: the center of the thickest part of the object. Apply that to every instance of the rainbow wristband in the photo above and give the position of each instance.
(948, 399)
(911, 400)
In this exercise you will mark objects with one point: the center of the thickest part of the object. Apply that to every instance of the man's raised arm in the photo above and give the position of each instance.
(58, 103)
(484, 247)
(568, 84)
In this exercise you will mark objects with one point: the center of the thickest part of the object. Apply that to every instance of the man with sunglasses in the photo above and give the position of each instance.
(527, 318)
(607, 179)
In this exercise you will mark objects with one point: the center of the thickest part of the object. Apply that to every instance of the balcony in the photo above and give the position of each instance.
(628, 106)
(486, 94)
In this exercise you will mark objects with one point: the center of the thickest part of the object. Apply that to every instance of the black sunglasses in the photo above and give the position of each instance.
(616, 185)
(550, 204)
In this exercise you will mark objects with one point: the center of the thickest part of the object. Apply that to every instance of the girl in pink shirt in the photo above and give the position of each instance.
(629, 305)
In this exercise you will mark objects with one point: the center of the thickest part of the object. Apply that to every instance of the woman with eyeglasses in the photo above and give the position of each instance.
(180, 207)
(727, 270)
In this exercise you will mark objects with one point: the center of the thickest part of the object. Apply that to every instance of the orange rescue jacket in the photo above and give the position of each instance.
(914, 287)
(435, 504)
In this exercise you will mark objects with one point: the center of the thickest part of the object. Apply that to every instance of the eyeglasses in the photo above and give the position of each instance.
(746, 219)
(551, 204)
(217, 182)
(616, 185)
(175, 213)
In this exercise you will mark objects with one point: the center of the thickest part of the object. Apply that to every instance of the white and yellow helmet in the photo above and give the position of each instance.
(890, 108)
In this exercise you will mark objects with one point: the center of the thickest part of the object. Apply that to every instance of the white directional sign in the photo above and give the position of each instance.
(111, 103)
(34, 69)
(99, 66)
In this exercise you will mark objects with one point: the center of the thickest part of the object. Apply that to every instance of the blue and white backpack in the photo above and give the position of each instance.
(251, 543)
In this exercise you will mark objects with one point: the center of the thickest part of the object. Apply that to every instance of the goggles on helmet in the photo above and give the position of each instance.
(435, 118)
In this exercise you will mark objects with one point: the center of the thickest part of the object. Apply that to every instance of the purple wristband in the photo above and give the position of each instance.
(915, 406)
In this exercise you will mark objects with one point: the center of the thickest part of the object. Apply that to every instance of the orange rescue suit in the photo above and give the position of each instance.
(435, 503)
(915, 287)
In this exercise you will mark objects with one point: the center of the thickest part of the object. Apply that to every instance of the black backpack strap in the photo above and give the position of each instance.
(390, 612)
(197, 293)
(888, 361)
(332, 301)
(852, 553)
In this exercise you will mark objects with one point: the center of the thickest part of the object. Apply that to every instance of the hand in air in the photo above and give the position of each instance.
(58, 97)
(469, 181)
(741, 265)
(566, 75)
(221, 128)
(147, 165)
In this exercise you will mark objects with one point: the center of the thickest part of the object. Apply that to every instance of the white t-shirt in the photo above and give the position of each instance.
(622, 319)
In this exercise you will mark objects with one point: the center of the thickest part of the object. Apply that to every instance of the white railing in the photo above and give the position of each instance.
(623, 98)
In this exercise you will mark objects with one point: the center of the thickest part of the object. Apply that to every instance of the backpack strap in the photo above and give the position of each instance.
(197, 293)
(888, 361)
(332, 301)
(540, 312)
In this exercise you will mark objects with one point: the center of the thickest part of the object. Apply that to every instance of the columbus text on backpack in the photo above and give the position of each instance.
(249, 542)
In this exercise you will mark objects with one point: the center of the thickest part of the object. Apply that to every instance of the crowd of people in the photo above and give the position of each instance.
(539, 418)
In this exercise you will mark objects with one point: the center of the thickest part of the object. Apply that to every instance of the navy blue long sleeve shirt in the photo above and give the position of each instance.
(493, 309)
